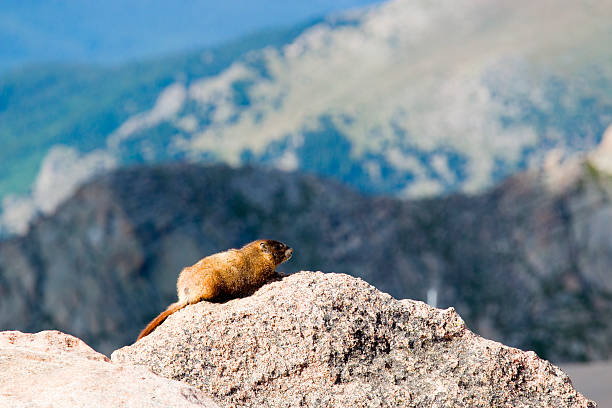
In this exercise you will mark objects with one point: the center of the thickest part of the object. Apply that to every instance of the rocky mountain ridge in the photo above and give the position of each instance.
(526, 263)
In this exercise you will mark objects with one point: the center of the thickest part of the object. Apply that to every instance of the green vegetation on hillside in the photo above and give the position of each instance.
(41, 106)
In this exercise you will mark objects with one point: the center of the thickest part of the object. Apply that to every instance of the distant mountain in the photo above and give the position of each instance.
(87, 31)
(47, 111)
(409, 98)
(527, 262)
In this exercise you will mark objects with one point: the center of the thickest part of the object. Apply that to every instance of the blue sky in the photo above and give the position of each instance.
(114, 31)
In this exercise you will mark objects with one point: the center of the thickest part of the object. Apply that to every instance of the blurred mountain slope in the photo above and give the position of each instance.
(43, 106)
(409, 98)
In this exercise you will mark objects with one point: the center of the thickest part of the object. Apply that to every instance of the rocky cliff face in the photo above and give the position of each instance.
(108, 260)
(526, 263)
(538, 246)
(330, 340)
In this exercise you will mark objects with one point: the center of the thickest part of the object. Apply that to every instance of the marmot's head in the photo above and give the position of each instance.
(275, 250)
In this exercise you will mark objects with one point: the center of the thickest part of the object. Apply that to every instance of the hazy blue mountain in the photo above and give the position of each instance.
(109, 32)
(79, 106)
(408, 98)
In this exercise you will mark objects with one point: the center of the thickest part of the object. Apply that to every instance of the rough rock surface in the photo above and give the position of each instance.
(53, 369)
(329, 340)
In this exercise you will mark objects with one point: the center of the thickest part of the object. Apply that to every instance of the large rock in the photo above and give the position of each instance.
(53, 369)
(329, 340)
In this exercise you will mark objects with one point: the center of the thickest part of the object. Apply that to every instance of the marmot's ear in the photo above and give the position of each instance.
(262, 245)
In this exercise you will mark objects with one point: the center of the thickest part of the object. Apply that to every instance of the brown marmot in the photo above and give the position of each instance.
(225, 275)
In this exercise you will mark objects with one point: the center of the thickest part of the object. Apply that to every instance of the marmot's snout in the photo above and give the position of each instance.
(288, 253)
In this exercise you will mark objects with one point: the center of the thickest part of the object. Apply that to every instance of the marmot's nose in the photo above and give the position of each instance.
(288, 253)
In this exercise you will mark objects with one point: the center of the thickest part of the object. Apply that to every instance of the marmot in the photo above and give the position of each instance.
(224, 275)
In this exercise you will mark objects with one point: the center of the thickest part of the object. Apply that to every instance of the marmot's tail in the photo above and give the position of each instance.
(160, 319)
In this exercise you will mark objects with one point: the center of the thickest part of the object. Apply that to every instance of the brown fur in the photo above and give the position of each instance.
(229, 274)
